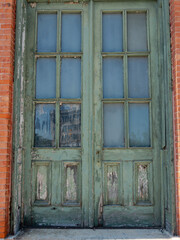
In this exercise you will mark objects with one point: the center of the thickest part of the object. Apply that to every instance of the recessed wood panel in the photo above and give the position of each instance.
(112, 181)
(71, 183)
(41, 183)
(143, 183)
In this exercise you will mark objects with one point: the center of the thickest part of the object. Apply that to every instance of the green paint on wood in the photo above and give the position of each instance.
(104, 181)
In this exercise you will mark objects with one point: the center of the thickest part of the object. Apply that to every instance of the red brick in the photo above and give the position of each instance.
(7, 40)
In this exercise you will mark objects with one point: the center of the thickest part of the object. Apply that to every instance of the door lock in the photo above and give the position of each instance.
(98, 154)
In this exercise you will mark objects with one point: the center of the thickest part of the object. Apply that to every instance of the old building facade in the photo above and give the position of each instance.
(89, 114)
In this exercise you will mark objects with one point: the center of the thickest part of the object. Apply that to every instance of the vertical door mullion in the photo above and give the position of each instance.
(124, 31)
(126, 115)
(57, 130)
(57, 133)
(58, 31)
(126, 103)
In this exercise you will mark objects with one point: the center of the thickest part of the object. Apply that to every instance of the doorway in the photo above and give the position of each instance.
(92, 116)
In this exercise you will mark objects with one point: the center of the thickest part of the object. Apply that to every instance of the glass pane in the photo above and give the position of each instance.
(46, 78)
(112, 32)
(137, 32)
(47, 33)
(71, 32)
(44, 125)
(71, 78)
(114, 125)
(143, 192)
(113, 83)
(70, 120)
(139, 134)
(138, 82)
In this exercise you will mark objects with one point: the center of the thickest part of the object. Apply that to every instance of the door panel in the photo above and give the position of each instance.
(127, 130)
(92, 126)
(56, 191)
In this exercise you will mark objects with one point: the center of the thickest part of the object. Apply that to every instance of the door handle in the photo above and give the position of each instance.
(98, 154)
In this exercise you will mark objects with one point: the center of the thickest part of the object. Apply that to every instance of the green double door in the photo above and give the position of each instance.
(92, 125)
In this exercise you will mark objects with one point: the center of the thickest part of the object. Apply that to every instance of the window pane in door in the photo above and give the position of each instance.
(137, 32)
(138, 82)
(139, 126)
(71, 78)
(114, 125)
(70, 125)
(113, 83)
(44, 125)
(112, 32)
(46, 78)
(71, 32)
(47, 33)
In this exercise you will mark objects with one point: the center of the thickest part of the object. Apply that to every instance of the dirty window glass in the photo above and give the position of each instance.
(71, 32)
(70, 125)
(138, 82)
(112, 32)
(71, 78)
(46, 78)
(139, 134)
(44, 125)
(47, 33)
(114, 125)
(113, 86)
(137, 32)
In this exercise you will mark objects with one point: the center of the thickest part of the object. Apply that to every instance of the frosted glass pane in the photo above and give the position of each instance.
(71, 78)
(71, 32)
(45, 125)
(114, 125)
(46, 78)
(137, 32)
(47, 33)
(70, 120)
(113, 78)
(139, 134)
(138, 77)
(112, 32)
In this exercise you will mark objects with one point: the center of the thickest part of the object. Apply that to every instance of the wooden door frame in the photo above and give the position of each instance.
(167, 155)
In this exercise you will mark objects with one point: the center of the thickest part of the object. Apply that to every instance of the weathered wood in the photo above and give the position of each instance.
(95, 164)
(56, 216)
(129, 211)
(120, 216)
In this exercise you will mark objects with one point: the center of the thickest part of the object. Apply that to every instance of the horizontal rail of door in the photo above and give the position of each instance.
(56, 154)
(127, 154)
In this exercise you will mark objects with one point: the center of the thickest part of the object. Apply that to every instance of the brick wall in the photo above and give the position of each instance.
(7, 39)
(175, 52)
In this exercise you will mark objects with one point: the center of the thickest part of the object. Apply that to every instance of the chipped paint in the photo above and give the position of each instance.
(100, 210)
(142, 183)
(33, 5)
(71, 183)
(112, 185)
(42, 192)
(18, 147)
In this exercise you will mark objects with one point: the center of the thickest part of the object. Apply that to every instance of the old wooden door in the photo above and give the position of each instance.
(126, 105)
(92, 115)
(57, 116)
